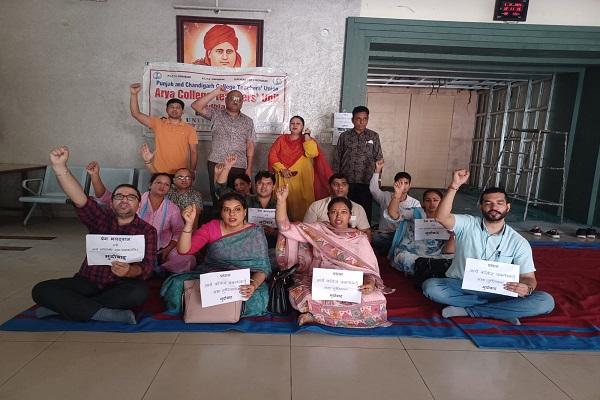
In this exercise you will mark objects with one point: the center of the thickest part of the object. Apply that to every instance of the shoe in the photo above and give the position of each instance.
(536, 231)
(591, 233)
(581, 233)
(553, 233)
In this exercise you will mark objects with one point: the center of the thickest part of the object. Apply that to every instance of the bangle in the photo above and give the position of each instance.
(65, 172)
(453, 188)
(147, 162)
(183, 230)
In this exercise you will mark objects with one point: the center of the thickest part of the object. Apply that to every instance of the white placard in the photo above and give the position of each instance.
(103, 249)
(223, 287)
(336, 284)
(262, 216)
(489, 276)
(429, 228)
(342, 120)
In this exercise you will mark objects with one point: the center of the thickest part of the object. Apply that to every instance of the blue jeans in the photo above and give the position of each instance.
(486, 305)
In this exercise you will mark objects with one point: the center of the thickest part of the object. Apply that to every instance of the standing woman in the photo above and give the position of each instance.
(299, 163)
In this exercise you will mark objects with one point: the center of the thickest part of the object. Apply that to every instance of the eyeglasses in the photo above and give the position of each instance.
(183, 178)
(236, 99)
(129, 197)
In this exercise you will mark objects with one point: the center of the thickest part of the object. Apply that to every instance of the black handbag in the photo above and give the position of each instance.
(279, 300)
(426, 268)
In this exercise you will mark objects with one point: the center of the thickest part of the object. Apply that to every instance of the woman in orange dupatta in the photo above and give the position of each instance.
(299, 163)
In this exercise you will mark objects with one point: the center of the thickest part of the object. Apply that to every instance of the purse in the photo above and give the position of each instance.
(193, 313)
(426, 268)
(279, 299)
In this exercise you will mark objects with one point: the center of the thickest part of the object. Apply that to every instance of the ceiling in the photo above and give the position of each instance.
(444, 78)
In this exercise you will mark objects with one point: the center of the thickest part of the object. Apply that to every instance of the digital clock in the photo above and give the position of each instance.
(511, 10)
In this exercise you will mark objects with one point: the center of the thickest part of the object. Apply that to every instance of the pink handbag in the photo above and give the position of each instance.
(193, 313)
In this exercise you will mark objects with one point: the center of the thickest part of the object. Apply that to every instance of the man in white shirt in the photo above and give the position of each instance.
(338, 186)
(383, 236)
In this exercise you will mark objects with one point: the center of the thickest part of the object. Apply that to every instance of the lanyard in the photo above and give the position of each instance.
(496, 251)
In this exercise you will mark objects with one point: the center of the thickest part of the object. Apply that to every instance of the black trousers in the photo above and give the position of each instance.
(211, 179)
(360, 193)
(78, 298)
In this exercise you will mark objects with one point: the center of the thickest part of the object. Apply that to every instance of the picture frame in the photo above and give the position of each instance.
(224, 42)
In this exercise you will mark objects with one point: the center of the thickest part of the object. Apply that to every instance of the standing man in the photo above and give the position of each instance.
(175, 142)
(99, 292)
(357, 150)
(486, 238)
(232, 133)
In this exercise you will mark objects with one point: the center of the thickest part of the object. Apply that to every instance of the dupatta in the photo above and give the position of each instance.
(290, 151)
(244, 249)
(345, 249)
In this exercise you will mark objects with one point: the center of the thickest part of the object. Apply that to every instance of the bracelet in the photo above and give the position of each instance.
(147, 162)
(453, 188)
(65, 172)
(183, 230)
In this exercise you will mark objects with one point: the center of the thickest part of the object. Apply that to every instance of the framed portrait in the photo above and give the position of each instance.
(224, 42)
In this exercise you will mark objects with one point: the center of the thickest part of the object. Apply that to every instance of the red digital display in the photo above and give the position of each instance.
(511, 10)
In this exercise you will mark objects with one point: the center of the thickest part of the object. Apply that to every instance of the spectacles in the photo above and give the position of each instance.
(183, 178)
(129, 197)
(235, 99)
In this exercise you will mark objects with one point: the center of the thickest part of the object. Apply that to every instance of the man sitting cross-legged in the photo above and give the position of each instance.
(491, 239)
(99, 292)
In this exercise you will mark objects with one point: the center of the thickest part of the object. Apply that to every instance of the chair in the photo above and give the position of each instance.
(113, 177)
(49, 191)
(143, 180)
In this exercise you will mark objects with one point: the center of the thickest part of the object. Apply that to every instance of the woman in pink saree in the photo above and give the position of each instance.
(332, 245)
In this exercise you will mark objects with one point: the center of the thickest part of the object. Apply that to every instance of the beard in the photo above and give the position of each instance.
(493, 216)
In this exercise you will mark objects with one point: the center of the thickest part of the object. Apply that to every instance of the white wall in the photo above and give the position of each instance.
(542, 12)
(66, 65)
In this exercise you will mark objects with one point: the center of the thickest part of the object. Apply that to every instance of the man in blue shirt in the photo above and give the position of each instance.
(486, 238)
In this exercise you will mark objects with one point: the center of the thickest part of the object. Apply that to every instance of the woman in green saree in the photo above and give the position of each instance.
(232, 244)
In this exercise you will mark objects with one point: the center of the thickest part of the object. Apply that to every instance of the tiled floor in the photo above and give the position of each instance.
(87, 365)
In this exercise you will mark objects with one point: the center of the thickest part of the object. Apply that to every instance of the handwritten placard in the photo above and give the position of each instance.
(262, 216)
(335, 284)
(104, 249)
(429, 228)
(223, 287)
(489, 276)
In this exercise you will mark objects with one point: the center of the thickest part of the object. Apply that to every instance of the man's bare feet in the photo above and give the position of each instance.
(306, 318)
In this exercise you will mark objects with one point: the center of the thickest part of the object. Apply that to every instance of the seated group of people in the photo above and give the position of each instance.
(317, 225)
(334, 234)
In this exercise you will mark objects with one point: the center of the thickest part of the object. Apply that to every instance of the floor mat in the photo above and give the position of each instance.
(572, 276)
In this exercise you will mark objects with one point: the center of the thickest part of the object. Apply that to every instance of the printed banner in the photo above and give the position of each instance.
(223, 287)
(336, 284)
(264, 90)
(489, 276)
(103, 249)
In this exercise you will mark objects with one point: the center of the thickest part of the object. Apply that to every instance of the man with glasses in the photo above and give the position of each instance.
(99, 292)
(232, 133)
(176, 142)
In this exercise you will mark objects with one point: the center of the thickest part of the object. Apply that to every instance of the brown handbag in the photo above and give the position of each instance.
(193, 313)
